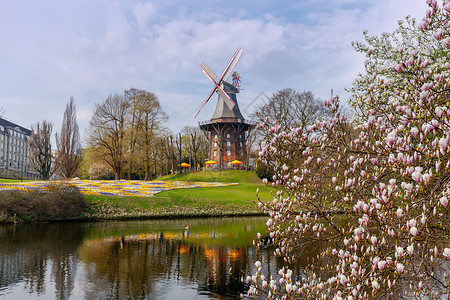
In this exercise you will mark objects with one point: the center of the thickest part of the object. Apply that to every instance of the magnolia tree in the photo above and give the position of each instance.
(373, 192)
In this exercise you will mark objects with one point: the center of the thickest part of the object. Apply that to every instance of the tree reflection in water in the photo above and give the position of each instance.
(134, 259)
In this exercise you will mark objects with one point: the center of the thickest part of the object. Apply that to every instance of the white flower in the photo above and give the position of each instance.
(400, 268)
(257, 264)
(446, 253)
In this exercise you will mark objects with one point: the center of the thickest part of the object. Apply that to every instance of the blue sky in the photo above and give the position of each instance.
(52, 50)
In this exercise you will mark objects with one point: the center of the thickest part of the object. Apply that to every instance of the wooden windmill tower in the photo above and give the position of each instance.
(227, 129)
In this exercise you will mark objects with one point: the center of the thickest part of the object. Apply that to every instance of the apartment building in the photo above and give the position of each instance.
(14, 151)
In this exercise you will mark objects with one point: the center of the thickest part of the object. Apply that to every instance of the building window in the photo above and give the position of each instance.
(215, 137)
(228, 144)
(215, 153)
(228, 152)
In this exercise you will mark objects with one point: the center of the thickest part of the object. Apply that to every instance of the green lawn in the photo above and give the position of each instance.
(3, 180)
(238, 199)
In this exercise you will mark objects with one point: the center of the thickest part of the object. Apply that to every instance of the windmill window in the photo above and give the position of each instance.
(215, 137)
(228, 152)
(228, 135)
(240, 136)
(215, 144)
(215, 153)
(240, 144)
(228, 144)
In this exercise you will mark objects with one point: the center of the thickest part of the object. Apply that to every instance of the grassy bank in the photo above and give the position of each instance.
(232, 200)
(238, 199)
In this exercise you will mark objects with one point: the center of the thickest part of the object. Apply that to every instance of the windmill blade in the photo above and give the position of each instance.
(208, 71)
(230, 103)
(231, 65)
(204, 102)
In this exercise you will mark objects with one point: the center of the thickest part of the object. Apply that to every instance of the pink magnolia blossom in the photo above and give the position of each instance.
(416, 175)
(439, 112)
(447, 42)
(373, 240)
(409, 187)
(439, 34)
(426, 128)
(426, 86)
(444, 201)
(410, 249)
(446, 253)
(375, 285)
(399, 213)
(382, 265)
(413, 231)
(443, 143)
(426, 178)
(399, 251)
(446, 7)
(400, 268)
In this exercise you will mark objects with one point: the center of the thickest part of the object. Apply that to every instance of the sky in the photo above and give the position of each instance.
(51, 50)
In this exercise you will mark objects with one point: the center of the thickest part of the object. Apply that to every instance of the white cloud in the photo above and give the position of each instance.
(108, 47)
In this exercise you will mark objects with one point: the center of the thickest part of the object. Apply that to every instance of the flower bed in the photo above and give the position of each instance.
(114, 187)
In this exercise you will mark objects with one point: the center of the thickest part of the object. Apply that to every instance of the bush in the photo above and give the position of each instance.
(264, 171)
(57, 202)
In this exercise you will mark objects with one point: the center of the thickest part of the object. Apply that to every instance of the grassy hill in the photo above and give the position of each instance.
(238, 176)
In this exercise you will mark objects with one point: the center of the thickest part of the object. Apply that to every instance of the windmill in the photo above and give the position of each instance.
(218, 85)
(227, 128)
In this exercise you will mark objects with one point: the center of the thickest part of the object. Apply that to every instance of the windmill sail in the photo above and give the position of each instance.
(232, 64)
(225, 75)
(207, 70)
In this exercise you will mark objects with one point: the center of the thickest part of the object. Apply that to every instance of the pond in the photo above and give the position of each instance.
(151, 259)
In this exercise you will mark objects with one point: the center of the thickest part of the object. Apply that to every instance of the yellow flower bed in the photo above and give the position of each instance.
(115, 187)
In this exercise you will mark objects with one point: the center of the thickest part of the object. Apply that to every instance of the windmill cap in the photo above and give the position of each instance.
(229, 88)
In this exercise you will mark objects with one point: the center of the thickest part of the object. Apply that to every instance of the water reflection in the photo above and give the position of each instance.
(168, 259)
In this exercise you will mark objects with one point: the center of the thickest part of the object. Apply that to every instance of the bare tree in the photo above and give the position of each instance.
(170, 153)
(250, 142)
(196, 144)
(149, 117)
(290, 108)
(40, 158)
(107, 129)
(218, 134)
(132, 96)
(179, 144)
(69, 154)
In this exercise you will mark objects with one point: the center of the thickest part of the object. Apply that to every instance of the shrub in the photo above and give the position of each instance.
(57, 202)
(264, 171)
